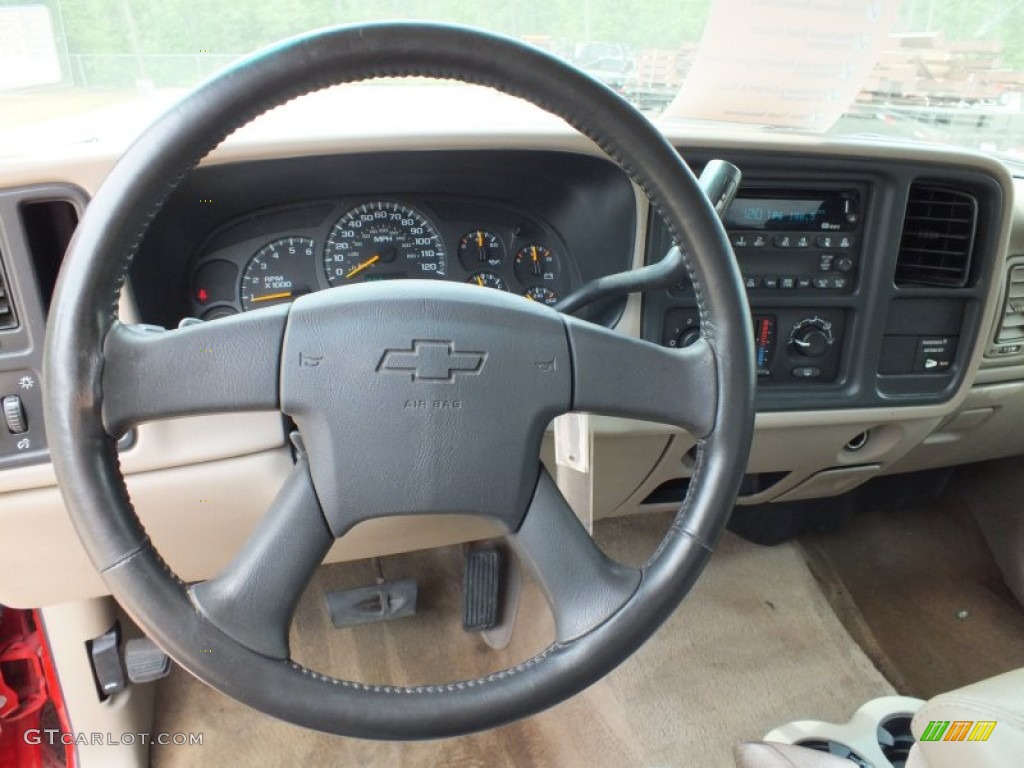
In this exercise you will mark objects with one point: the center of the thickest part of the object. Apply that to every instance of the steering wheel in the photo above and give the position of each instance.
(419, 342)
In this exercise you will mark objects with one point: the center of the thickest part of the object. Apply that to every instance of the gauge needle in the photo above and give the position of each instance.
(480, 281)
(368, 263)
(272, 296)
(480, 238)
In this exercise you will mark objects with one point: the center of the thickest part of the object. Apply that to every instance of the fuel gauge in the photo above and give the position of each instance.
(488, 280)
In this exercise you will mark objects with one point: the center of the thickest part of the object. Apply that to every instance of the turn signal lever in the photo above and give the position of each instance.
(720, 181)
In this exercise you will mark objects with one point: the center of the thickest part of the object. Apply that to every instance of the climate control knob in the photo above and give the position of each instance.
(811, 337)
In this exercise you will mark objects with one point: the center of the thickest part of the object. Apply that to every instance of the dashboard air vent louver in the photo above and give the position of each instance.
(1012, 326)
(7, 317)
(938, 237)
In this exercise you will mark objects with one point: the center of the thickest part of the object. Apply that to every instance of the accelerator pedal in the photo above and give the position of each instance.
(481, 589)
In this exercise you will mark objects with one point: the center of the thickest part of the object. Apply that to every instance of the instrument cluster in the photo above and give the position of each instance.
(275, 256)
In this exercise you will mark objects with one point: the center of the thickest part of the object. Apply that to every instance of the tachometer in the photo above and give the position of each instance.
(380, 241)
(279, 272)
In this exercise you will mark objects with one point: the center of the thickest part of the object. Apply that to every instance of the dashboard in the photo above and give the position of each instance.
(884, 286)
(863, 276)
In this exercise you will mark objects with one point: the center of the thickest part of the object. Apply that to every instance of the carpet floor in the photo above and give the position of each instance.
(919, 590)
(755, 645)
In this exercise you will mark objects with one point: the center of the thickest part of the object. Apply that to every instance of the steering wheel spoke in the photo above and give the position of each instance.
(583, 586)
(617, 375)
(254, 598)
(228, 365)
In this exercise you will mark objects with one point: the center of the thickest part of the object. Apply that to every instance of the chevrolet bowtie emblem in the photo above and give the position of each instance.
(431, 361)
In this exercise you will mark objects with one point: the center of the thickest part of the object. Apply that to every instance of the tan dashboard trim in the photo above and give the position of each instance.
(200, 457)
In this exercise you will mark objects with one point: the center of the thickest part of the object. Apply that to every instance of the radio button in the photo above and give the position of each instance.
(759, 241)
(825, 241)
(803, 282)
(807, 372)
(822, 282)
(782, 241)
(740, 241)
(844, 241)
(803, 242)
(751, 282)
(771, 282)
(844, 263)
(839, 283)
(787, 282)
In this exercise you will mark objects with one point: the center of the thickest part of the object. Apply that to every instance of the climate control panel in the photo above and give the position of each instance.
(791, 344)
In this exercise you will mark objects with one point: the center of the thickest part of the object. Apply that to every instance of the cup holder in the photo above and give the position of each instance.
(877, 736)
(895, 739)
(836, 749)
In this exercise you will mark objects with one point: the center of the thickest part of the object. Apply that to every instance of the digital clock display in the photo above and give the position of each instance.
(819, 213)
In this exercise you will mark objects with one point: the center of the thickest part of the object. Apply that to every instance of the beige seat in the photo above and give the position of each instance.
(958, 725)
(1000, 700)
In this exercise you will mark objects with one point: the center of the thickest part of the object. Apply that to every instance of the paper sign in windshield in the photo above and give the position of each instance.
(794, 63)
(28, 53)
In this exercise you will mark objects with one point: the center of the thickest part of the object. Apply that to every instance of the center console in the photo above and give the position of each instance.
(795, 246)
(862, 280)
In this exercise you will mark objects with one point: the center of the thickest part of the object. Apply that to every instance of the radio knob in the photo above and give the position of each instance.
(812, 337)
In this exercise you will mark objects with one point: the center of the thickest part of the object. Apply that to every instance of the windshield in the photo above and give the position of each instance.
(941, 71)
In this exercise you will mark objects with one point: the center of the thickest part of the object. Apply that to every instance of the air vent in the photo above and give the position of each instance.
(1012, 326)
(7, 317)
(938, 236)
(48, 225)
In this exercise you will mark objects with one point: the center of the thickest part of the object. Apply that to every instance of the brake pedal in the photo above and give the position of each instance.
(480, 589)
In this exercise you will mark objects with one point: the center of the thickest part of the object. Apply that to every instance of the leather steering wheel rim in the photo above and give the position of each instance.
(79, 352)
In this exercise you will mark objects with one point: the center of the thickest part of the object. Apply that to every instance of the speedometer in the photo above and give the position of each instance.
(382, 241)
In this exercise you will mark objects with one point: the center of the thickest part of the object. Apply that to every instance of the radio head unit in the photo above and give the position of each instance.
(804, 240)
(813, 211)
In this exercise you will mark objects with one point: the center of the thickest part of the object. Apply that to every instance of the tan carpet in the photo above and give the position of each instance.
(756, 645)
(919, 589)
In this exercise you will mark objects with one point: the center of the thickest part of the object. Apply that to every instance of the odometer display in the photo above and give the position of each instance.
(383, 240)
